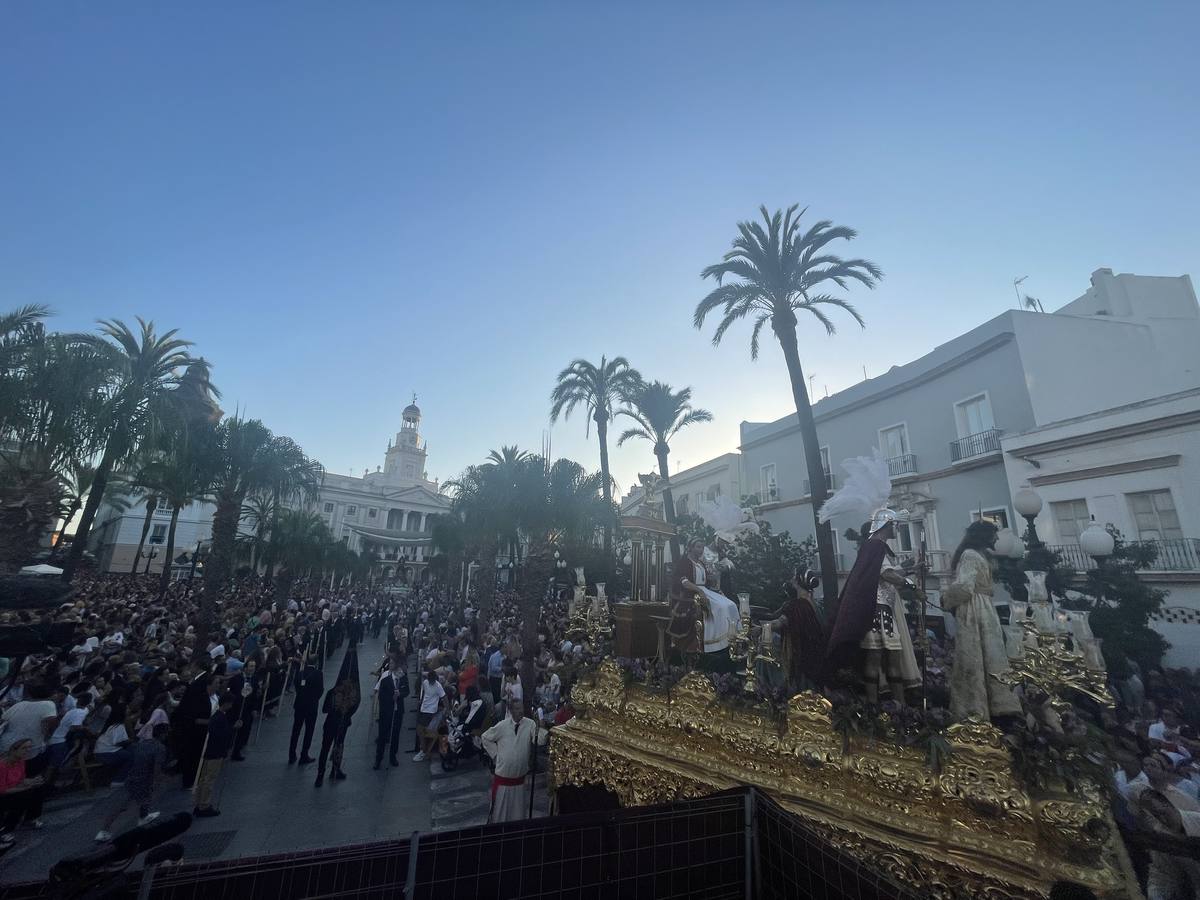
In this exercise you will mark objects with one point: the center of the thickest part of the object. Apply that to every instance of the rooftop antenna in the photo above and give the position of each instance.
(865, 372)
(1017, 288)
(810, 383)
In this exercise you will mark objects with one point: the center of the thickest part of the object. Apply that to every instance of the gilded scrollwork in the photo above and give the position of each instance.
(969, 830)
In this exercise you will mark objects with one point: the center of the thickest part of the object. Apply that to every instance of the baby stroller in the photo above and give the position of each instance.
(460, 739)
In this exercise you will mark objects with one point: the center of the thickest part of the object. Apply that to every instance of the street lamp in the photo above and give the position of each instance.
(1028, 504)
(1097, 542)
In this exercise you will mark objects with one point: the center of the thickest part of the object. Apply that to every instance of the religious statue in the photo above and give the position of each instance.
(871, 631)
(802, 638)
(718, 613)
(979, 652)
(651, 506)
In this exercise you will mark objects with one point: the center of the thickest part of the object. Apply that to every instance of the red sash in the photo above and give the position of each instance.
(502, 781)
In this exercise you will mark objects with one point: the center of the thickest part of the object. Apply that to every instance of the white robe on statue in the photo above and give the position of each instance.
(511, 745)
(979, 652)
(722, 613)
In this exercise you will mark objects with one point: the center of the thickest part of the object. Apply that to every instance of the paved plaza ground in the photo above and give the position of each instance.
(270, 807)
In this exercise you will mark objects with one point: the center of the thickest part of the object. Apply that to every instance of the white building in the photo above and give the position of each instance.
(717, 477)
(1094, 405)
(391, 510)
(115, 535)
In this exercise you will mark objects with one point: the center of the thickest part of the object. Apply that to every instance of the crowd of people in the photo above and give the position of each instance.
(142, 699)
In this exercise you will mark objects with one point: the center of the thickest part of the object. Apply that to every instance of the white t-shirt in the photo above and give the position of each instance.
(111, 739)
(431, 695)
(24, 720)
(70, 719)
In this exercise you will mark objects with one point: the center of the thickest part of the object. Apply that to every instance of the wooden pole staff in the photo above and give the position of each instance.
(262, 706)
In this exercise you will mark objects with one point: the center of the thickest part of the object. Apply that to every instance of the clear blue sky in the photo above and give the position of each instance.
(341, 203)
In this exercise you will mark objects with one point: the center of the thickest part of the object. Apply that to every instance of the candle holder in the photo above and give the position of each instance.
(741, 646)
(1052, 663)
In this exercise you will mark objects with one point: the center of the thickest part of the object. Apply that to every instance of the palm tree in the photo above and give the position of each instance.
(293, 475)
(260, 513)
(780, 272)
(660, 414)
(598, 389)
(183, 475)
(51, 387)
(144, 369)
(152, 500)
(243, 466)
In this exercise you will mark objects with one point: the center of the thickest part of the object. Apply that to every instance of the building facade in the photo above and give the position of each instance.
(389, 512)
(1093, 405)
(114, 538)
(717, 477)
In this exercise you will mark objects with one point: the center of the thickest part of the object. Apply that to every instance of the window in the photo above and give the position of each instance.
(1070, 518)
(904, 542)
(998, 516)
(681, 508)
(768, 487)
(893, 441)
(351, 510)
(713, 493)
(825, 461)
(159, 534)
(410, 470)
(372, 513)
(328, 507)
(1155, 516)
(974, 415)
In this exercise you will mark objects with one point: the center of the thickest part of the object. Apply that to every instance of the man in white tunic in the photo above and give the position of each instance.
(511, 743)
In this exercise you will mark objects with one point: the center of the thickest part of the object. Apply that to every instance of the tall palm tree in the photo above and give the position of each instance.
(243, 466)
(183, 475)
(152, 499)
(660, 414)
(599, 389)
(782, 271)
(144, 368)
(51, 389)
(292, 476)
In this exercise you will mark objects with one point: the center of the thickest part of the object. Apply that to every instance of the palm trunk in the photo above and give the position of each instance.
(661, 451)
(539, 567)
(99, 483)
(219, 566)
(151, 506)
(602, 434)
(164, 580)
(487, 581)
(71, 511)
(816, 472)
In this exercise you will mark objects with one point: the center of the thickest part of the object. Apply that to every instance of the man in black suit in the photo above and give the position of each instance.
(309, 687)
(392, 690)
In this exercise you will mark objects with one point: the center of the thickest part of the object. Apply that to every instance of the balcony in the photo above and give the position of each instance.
(829, 482)
(975, 445)
(1177, 555)
(902, 465)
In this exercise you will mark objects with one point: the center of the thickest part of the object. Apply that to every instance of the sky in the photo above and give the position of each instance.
(343, 204)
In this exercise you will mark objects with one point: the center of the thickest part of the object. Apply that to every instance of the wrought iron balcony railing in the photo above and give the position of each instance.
(1175, 555)
(905, 464)
(980, 444)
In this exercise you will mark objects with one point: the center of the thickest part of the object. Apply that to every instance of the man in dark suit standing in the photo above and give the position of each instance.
(309, 687)
(392, 690)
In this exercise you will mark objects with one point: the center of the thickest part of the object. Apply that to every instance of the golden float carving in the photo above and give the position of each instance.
(969, 831)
